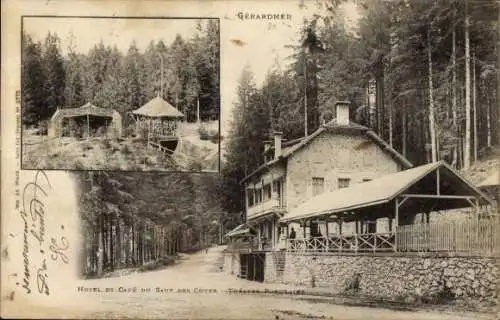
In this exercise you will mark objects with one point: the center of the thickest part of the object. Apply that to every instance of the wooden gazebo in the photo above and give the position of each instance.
(157, 121)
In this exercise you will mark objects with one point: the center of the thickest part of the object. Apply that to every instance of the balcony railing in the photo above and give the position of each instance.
(265, 206)
(468, 237)
(370, 242)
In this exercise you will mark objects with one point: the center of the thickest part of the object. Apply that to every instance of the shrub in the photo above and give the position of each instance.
(203, 132)
(126, 149)
(43, 127)
(162, 262)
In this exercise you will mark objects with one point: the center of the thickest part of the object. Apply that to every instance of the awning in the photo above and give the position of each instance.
(239, 230)
(265, 214)
(380, 191)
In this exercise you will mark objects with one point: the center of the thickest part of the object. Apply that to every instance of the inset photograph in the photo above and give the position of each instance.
(117, 93)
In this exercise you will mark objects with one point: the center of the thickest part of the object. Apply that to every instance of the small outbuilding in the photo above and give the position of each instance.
(87, 120)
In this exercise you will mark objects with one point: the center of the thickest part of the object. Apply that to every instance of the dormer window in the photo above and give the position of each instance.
(343, 182)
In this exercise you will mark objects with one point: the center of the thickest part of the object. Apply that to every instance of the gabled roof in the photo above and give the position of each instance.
(333, 126)
(371, 193)
(158, 107)
(87, 109)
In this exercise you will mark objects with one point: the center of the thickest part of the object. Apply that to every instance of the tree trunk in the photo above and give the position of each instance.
(305, 98)
(403, 129)
(111, 245)
(467, 151)
(432, 126)
(488, 121)
(118, 244)
(474, 106)
(389, 110)
(133, 254)
(454, 95)
(103, 243)
(100, 248)
(379, 100)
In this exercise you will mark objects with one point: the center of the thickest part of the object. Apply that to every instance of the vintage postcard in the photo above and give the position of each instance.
(143, 95)
(323, 159)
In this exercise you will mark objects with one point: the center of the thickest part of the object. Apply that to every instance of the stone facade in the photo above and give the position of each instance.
(332, 156)
(392, 277)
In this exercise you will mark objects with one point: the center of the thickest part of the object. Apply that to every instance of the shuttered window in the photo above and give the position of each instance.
(343, 182)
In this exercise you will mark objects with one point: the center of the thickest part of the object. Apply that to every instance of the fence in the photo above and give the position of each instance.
(470, 236)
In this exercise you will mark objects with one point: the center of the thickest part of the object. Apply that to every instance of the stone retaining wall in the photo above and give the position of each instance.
(231, 263)
(392, 277)
(270, 272)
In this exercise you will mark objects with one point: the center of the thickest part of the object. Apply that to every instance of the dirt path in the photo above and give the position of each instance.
(193, 289)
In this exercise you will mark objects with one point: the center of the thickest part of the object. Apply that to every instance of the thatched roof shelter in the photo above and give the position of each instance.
(87, 117)
(158, 108)
(158, 121)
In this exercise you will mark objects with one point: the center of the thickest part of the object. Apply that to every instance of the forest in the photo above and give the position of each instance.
(430, 65)
(60, 77)
(133, 219)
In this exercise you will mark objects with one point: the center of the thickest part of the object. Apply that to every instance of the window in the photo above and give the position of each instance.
(267, 192)
(250, 197)
(343, 182)
(258, 196)
(318, 185)
(366, 179)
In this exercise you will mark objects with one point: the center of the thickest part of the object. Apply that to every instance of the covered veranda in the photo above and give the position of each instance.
(404, 202)
(259, 233)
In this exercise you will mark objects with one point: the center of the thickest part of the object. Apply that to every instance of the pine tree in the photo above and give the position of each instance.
(55, 73)
(33, 100)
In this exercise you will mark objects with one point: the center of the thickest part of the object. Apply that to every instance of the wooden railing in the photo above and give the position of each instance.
(370, 242)
(467, 237)
(267, 205)
(471, 236)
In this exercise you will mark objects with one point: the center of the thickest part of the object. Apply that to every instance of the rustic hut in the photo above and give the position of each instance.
(157, 121)
(87, 120)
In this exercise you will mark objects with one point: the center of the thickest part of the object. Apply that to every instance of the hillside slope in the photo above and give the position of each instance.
(67, 153)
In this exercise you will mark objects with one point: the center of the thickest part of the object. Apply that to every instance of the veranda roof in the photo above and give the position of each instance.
(158, 108)
(492, 180)
(239, 230)
(376, 192)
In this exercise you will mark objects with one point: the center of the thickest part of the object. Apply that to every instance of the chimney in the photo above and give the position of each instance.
(277, 144)
(342, 108)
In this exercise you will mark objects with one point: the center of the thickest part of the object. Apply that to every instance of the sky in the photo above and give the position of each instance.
(263, 41)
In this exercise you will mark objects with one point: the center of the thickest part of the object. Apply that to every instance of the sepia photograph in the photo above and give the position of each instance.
(132, 94)
(340, 161)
